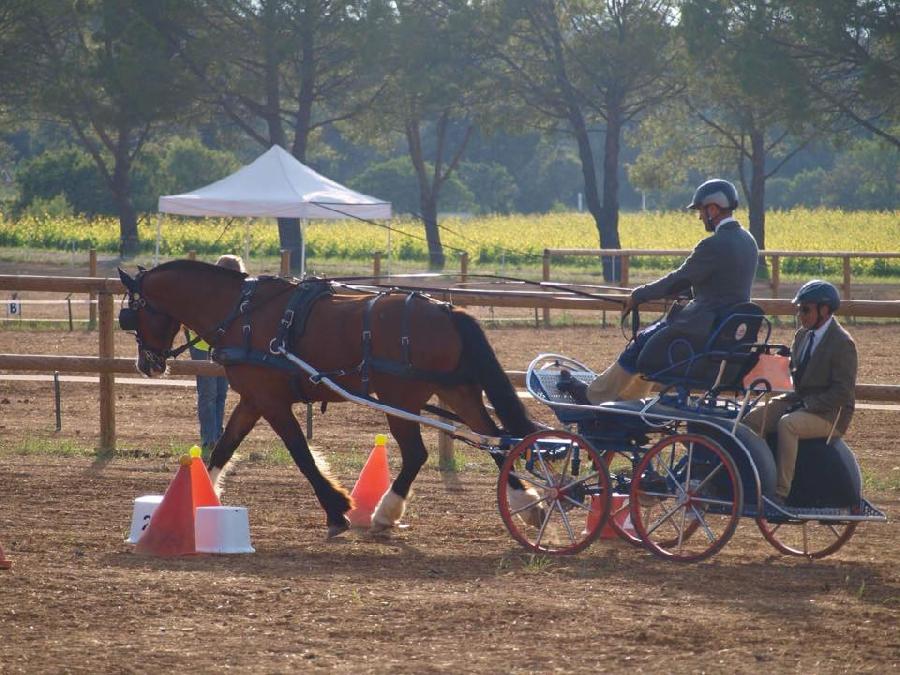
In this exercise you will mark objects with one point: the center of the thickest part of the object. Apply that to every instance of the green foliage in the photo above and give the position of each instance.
(395, 181)
(176, 165)
(865, 176)
(69, 172)
(492, 187)
(49, 209)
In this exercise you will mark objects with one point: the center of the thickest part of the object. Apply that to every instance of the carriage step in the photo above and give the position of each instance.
(866, 511)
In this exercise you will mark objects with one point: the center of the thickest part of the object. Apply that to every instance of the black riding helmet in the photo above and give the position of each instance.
(716, 191)
(820, 293)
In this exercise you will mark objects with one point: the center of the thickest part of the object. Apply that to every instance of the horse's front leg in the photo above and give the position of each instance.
(242, 420)
(334, 499)
(412, 450)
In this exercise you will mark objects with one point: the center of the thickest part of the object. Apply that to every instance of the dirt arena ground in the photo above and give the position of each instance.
(451, 593)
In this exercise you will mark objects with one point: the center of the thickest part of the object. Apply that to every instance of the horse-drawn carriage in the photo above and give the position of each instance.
(675, 471)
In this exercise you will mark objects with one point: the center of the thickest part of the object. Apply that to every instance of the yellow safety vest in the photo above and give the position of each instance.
(200, 344)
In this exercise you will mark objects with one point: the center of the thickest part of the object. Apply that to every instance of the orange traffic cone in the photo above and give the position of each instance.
(619, 512)
(171, 528)
(374, 480)
(5, 563)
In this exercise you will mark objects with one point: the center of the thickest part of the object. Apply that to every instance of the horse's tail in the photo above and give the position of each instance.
(479, 359)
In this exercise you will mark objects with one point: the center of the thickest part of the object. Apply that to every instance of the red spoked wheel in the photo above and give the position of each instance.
(566, 495)
(808, 538)
(686, 498)
(621, 470)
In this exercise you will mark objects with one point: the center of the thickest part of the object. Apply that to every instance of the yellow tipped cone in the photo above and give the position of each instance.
(374, 480)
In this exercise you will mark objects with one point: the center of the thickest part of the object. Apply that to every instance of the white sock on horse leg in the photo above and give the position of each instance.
(217, 476)
(389, 510)
(520, 499)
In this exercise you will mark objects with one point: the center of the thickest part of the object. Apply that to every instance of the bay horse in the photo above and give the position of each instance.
(401, 347)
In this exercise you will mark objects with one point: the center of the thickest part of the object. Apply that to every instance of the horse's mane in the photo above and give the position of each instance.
(197, 265)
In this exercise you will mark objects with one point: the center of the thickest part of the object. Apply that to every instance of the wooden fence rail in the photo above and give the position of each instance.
(625, 255)
(106, 364)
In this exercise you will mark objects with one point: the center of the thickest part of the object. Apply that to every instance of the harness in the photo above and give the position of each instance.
(292, 326)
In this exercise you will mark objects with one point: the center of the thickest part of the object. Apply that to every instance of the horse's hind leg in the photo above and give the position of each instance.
(242, 420)
(333, 498)
(392, 505)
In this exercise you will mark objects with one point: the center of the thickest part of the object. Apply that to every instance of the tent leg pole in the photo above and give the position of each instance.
(159, 218)
(303, 248)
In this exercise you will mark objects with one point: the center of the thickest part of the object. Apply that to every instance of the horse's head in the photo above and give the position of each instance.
(153, 329)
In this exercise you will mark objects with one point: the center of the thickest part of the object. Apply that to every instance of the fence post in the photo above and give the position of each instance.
(626, 262)
(846, 277)
(107, 380)
(376, 264)
(463, 266)
(546, 277)
(92, 272)
(192, 255)
(285, 265)
(776, 274)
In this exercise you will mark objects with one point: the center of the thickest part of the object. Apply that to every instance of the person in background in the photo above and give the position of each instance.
(212, 390)
(823, 368)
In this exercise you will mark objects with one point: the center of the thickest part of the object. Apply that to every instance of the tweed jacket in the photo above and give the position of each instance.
(719, 271)
(828, 383)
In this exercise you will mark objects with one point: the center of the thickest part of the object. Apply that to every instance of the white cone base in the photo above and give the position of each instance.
(140, 517)
(222, 529)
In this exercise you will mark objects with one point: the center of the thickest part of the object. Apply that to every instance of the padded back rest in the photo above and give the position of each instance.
(739, 325)
(738, 329)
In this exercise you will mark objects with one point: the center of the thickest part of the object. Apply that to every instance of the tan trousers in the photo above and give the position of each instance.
(791, 428)
(617, 384)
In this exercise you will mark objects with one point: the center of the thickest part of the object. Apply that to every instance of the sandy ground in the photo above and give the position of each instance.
(453, 592)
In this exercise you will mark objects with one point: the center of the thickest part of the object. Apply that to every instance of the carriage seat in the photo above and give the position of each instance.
(732, 343)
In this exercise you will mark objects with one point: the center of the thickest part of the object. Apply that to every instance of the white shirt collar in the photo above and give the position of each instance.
(820, 332)
(729, 219)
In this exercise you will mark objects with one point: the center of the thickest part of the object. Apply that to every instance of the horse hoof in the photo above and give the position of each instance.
(378, 527)
(335, 529)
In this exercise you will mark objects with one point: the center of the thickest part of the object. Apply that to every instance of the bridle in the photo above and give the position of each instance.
(128, 322)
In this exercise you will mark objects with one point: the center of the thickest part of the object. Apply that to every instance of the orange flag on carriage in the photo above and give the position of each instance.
(171, 528)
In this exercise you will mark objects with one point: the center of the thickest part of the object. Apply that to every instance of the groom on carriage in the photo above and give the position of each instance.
(719, 273)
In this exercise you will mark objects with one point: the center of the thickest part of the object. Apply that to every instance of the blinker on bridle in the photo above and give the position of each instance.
(128, 321)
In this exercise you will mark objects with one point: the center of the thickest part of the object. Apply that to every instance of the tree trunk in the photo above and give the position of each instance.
(428, 196)
(589, 175)
(120, 187)
(436, 259)
(289, 235)
(609, 213)
(757, 198)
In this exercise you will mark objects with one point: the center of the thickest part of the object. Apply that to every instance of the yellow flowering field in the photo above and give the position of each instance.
(514, 239)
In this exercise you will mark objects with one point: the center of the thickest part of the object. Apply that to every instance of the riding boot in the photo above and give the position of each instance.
(613, 383)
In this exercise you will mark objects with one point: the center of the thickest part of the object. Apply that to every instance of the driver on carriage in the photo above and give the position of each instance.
(719, 272)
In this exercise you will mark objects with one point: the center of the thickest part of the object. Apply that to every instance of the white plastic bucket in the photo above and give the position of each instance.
(222, 529)
(140, 517)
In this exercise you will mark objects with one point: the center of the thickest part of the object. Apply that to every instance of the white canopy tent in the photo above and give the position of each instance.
(275, 185)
